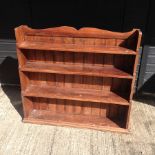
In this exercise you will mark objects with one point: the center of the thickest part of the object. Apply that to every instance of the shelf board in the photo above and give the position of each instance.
(81, 121)
(76, 69)
(74, 48)
(74, 94)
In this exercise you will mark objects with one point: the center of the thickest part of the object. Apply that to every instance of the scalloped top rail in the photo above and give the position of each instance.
(73, 32)
(85, 36)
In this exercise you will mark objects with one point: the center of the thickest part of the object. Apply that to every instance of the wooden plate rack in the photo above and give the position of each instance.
(79, 78)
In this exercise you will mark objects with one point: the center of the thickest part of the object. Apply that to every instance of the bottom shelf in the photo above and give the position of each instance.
(81, 121)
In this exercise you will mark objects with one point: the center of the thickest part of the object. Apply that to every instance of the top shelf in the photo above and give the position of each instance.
(74, 48)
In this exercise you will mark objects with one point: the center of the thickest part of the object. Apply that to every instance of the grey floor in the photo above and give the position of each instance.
(17, 138)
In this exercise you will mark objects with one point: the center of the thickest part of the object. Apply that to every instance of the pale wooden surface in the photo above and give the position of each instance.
(17, 138)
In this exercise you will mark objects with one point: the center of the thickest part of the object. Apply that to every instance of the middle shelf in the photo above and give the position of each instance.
(76, 69)
(75, 94)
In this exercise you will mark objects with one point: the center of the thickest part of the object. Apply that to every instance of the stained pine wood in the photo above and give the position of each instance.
(74, 48)
(94, 122)
(76, 69)
(74, 94)
(80, 78)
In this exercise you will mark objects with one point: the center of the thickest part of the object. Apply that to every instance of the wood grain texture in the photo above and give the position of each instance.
(68, 68)
(75, 94)
(74, 48)
(76, 77)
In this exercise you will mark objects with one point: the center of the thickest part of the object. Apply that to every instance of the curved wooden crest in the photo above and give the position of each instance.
(86, 32)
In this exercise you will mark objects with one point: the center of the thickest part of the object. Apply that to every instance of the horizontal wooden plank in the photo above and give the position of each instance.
(76, 69)
(74, 94)
(74, 48)
(84, 121)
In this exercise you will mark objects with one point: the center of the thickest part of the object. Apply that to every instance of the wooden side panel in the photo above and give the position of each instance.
(116, 111)
(27, 106)
(121, 87)
(125, 63)
(24, 80)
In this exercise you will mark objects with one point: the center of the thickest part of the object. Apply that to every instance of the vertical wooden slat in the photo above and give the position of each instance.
(95, 109)
(59, 58)
(32, 55)
(41, 76)
(43, 104)
(107, 85)
(113, 111)
(96, 106)
(108, 60)
(110, 42)
(104, 110)
(98, 60)
(60, 103)
(69, 103)
(36, 102)
(52, 105)
(78, 82)
(87, 82)
(68, 58)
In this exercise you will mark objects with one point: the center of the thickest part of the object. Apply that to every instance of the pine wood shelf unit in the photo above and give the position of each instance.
(80, 78)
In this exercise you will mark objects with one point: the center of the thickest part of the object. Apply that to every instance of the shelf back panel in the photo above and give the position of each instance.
(122, 62)
(99, 84)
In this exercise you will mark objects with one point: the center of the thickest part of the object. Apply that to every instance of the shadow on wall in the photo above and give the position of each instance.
(146, 93)
(9, 71)
(9, 79)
